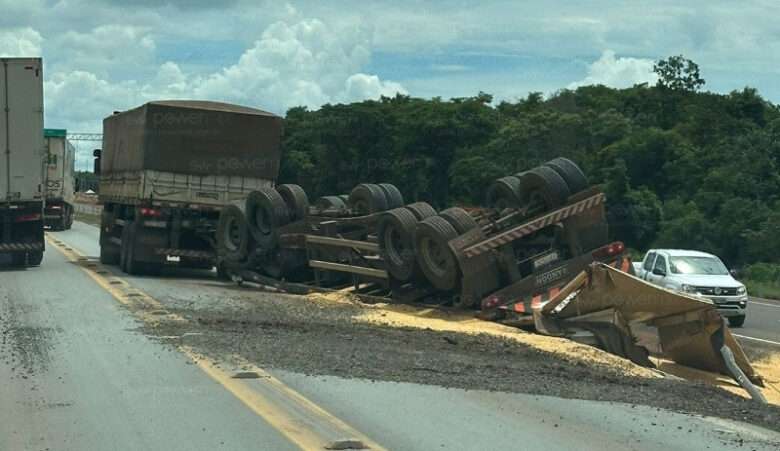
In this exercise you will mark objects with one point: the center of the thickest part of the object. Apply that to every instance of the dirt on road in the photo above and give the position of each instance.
(341, 337)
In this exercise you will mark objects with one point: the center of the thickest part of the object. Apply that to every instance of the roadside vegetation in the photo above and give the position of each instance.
(762, 280)
(681, 167)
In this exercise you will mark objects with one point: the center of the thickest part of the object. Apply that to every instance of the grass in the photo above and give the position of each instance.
(767, 290)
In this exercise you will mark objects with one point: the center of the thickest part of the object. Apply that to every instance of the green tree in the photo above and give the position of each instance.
(678, 74)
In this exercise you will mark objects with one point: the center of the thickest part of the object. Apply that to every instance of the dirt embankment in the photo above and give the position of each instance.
(334, 335)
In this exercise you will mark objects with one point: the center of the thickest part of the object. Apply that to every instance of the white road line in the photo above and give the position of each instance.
(763, 303)
(757, 339)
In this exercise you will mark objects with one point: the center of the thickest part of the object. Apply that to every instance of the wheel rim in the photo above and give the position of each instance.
(435, 257)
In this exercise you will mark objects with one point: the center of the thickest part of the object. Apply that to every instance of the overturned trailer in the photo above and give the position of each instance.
(537, 255)
(538, 229)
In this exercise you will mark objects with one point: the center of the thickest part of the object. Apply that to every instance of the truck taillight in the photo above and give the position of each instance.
(151, 212)
(610, 250)
(491, 302)
(27, 218)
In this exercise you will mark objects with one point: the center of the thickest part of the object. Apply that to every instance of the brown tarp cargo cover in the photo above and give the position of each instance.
(193, 137)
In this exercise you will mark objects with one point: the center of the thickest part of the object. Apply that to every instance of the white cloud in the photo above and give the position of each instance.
(20, 42)
(305, 63)
(111, 49)
(363, 86)
(619, 72)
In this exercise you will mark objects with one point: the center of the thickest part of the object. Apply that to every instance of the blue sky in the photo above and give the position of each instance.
(106, 55)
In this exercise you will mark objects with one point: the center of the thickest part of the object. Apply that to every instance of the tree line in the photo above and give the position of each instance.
(680, 167)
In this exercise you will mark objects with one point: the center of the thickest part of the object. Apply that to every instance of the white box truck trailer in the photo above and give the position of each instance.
(58, 170)
(21, 157)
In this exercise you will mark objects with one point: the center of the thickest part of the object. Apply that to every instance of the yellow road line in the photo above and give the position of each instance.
(295, 428)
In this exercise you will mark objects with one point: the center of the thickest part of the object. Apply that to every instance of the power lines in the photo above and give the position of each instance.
(83, 149)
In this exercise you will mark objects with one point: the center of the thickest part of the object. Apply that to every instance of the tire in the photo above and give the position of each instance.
(505, 193)
(18, 259)
(571, 173)
(366, 199)
(543, 185)
(394, 197)
(396, 242)
(109, 252)
(296, 199)
(421, 210)
(222, 272)
(124, 247)
(70, 216)
(34, 258)
(459, 219)
(331, 203)
(109, 255)
(434, 256)
(736, 321)
(129, 237)
(233, 234)
(266, 212)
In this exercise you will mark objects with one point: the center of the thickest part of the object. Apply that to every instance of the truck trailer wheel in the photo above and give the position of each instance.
(296, 199)
(233, 234)
(421, 210)
(504, 193)
(331, 203)
(367, 198)
(542, 185)
(459, 219)
(109, 252)
(130, 263)
(394, 197)
(434, 255)
(396, 242)
(266, 211)
(571, 173)
(34, 258)
(69, 215)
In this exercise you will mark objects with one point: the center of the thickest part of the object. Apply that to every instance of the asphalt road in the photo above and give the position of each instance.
(79, 375)
(762, 324)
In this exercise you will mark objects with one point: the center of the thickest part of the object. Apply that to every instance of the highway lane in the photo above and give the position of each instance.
(77, 377)
(121, 390)
(762, 324)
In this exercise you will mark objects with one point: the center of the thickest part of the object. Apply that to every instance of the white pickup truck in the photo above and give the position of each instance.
(699, 274)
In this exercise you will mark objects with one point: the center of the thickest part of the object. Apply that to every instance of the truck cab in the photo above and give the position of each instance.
(698, 274)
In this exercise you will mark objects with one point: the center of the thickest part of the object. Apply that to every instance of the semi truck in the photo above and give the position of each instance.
(58, 170)
(21, 169)
(167, 168)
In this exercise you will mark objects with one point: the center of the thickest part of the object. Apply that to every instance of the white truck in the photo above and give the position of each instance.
(21, 161)
(699, 274)
(58, 170)
(167, 168)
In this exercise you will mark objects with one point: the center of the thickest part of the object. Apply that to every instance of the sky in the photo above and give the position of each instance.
(106, 55)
